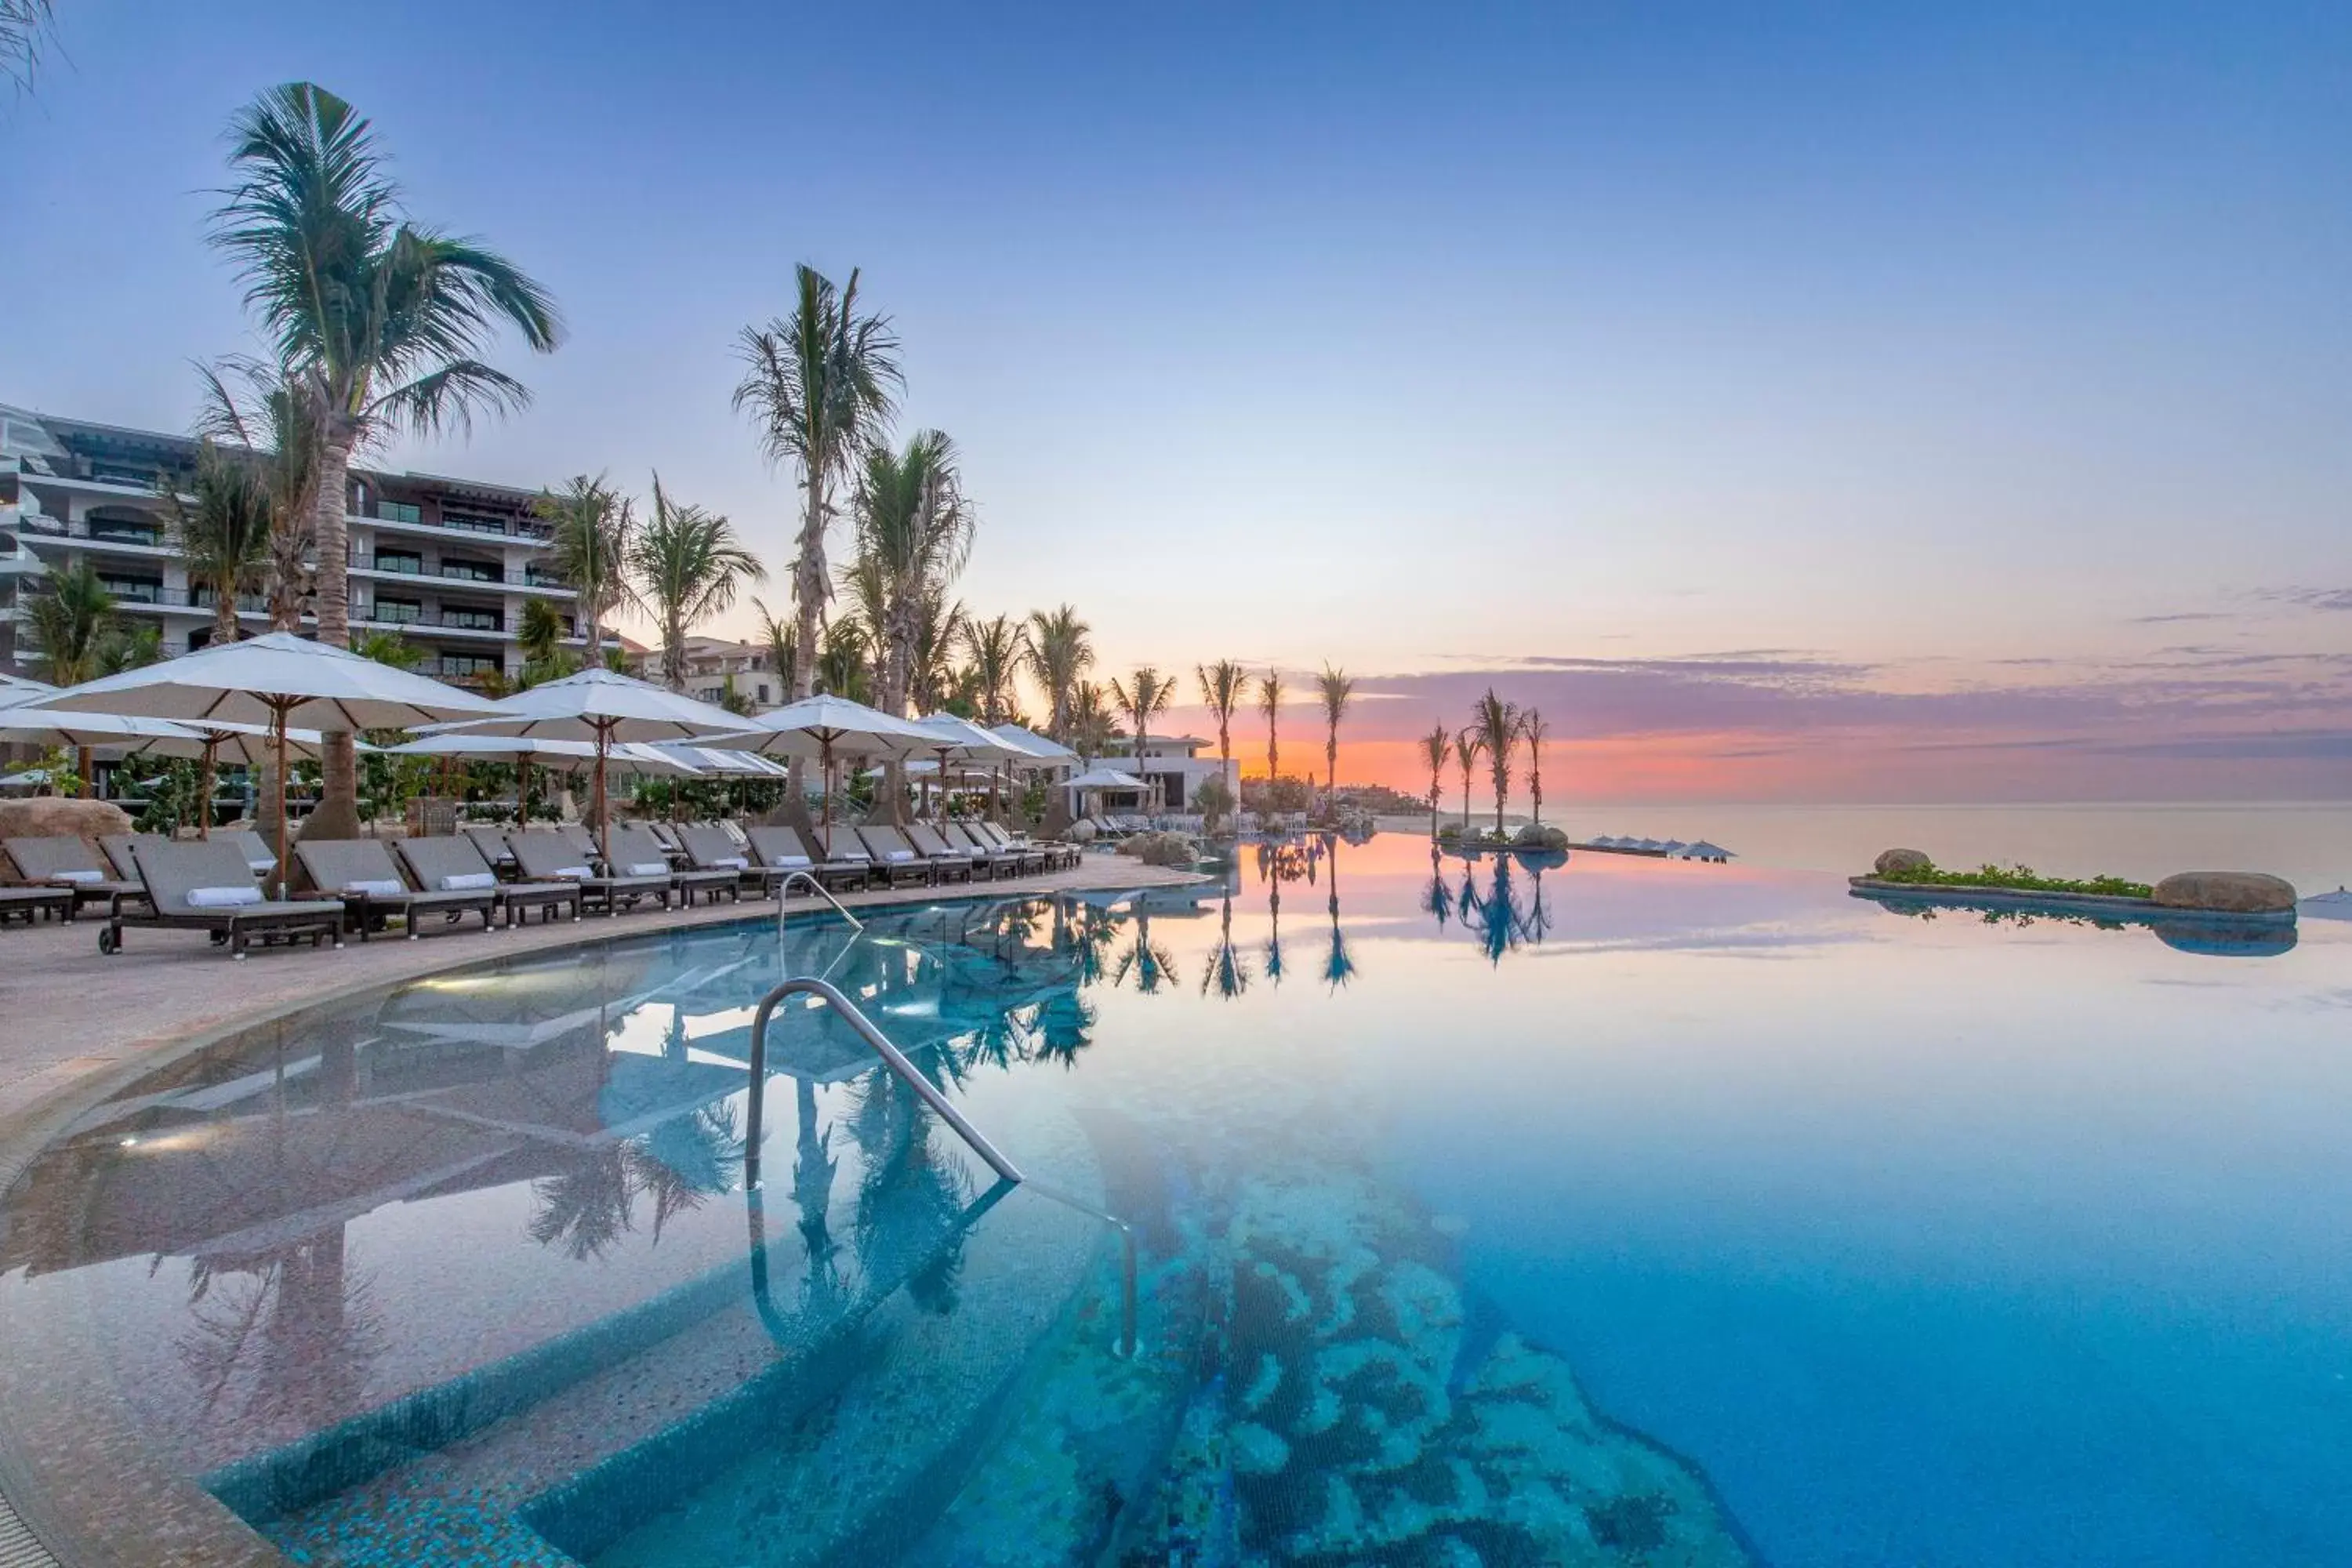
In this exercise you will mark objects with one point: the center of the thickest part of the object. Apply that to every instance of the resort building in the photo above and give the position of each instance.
(1173, 768)
(712, 662)
(447, 563)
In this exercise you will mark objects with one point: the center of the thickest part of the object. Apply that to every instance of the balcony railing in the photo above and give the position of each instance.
(413, 566)
(184, 599)
(457, 523)
(101, 532)
(385, 615)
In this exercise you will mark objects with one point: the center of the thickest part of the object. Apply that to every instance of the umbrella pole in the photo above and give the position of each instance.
(204, 794)
(604, 807)
(277, 744)
(824, 766)
(522, 790)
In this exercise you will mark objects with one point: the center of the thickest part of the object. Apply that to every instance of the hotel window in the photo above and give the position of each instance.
(471, 617)
(399, 612)
(470, 571)
(138, 590)
(399, 512)
(400, 560)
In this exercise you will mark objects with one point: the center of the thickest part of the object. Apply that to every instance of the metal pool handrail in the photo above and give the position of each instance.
(825, 991)
(785, 886)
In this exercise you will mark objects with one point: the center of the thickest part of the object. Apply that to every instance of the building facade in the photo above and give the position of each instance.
(446, 563)
(1171, 768)
(713, 665)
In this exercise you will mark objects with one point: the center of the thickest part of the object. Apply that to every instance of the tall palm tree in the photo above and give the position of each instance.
(821, 383)
(1532, 726)
(1269, 702)
(782, 641)
(996, 647)
(1143, 700)
(1225, 687)
(540, 636)
(1467, 747)
(590, 529)
(266, 416)
(930, 661)
(841, 667)
(224, 532)
(1435, 748)
(1061, 651)
(1337, 690)
(914, 534)
(1091, 726)
(1497, 723)
(72, 618)
(377, 321)
(689, 564)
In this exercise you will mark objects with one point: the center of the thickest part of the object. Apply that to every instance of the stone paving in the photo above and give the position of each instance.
(67, 1014)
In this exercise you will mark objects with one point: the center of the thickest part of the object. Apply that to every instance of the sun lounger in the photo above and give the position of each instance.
(122, 852)
(985, 855)
(206, 886)
(1034, 857)
(636, 853)
(454, 863)
(362, 873)
(667, 835)
(708, 849)
(66, 862)
(36, 904)
(259, 859)
(577, 835)
(948, 862)
(782, 850)
(547, 857)
(894, 858)
(489, 841)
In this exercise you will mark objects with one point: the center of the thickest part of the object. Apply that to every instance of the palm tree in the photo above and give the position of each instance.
(782, 641)
(1269, 702)
(389, 648)
(540, 636)
(1436, 747)
(821, 382)
(1091, 725)
(996, 647)
(1225, 687)
(378, 323)
(1467, 747)
(590, 529)
(1336, 689)
(224, 532)
(24, 32)
(279, 431)
(130, 645)
(1061, 651)
(840, 665)
(1497, 723)
(1141, 702)
(1531, 725)
(687, 563)
(72, 619)
(914, 534)
(939, 628)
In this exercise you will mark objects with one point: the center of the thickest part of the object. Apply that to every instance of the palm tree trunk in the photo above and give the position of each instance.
(808, 586)
(338, 813)
(1331, 773)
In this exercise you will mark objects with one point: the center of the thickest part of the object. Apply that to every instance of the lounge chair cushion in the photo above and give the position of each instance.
(571, 873)
(468, 881)
(791, 862)
(83, 874)
(900, 856)
(648, 868)
(374, 887)
(222, 897)
(730, 863)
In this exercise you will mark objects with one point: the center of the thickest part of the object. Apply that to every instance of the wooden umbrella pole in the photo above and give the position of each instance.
(522, 790)
(603, 804)
(277, 744)
(824, 766)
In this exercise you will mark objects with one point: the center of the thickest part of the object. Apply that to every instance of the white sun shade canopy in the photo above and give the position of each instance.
(15, 689)
(1036, 745)
(244, 682)
(623, 707)
(1104, 778)
(133, 735)
(480, 748)
(963, 741)
(723, 760)
(805, 729)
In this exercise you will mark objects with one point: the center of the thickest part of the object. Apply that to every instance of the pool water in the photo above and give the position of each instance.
(1610, 1211)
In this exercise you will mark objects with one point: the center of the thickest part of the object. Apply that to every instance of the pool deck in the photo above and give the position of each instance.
(73, 1014)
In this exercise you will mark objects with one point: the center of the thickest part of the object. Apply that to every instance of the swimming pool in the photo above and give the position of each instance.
(1613, 1211)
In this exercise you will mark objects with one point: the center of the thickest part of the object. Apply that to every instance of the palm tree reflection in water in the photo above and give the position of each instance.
(1497, 917)
(1228, 972)
(1338, 967)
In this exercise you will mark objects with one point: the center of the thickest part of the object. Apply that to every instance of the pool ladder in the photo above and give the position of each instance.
(831, 995)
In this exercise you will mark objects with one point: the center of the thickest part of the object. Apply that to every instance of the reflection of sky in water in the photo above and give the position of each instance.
(1933, 1240)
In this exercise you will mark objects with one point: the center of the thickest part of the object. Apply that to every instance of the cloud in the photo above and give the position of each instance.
(2309, 598)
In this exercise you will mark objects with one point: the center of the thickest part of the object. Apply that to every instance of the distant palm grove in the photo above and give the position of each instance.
(379, 325)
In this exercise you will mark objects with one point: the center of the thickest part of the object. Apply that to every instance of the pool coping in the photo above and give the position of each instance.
(38, 1529)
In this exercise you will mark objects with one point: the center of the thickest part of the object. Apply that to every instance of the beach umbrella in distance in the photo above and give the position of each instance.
(605, 709)
(826, 727)
(1048, 754)
(961, 741)
(1096, 779)
(1703, 850)
(278, 680)
(1672, 845)
(519, 749)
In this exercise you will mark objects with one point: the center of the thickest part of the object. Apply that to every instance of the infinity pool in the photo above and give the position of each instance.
(1613, 1211)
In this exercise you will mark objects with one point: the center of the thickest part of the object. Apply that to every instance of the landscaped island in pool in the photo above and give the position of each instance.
(1613, 1211)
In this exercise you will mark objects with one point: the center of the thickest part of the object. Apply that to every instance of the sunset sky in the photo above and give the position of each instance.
(1795, 403)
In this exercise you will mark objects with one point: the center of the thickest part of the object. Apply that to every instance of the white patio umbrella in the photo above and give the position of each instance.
(603, 708)
(519, 749)
(826, 727)
(133, 736)
(722, 761)
(961, 741)
(1095, 779)
(274, 679)
(16, 688)
(1703, 850)
(1049, 753)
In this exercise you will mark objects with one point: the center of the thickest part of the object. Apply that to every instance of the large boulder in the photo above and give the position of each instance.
(1160, 848)
(50, 816)
(1895, 862)
(1079, 832)
(2232, 893)
(1540, 835)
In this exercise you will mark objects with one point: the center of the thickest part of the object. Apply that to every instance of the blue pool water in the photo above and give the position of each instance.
(1608, 1212)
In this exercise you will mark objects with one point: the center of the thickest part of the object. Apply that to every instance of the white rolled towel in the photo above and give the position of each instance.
(222, 897)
